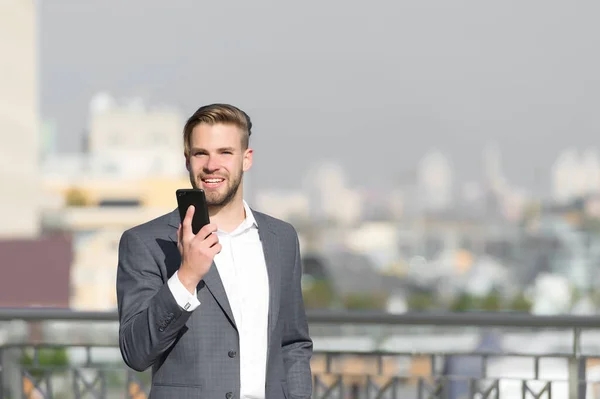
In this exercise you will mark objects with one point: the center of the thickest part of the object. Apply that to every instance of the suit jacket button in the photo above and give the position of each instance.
(232, 354)
(229, 395)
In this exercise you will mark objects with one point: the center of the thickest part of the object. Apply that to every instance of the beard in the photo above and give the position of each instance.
(216, 198)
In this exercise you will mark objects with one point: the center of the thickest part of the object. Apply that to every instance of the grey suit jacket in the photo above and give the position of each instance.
(195, 354)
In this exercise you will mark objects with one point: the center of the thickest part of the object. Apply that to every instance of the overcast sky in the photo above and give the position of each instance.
(371, 84)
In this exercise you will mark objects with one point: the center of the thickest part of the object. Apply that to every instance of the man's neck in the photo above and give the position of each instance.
(228, 217)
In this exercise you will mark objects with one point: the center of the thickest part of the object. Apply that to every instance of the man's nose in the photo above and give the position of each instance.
(211, 164)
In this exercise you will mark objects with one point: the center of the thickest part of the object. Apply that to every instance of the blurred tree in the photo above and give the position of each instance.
(520, 303)
(75, 197)
(576, 295)
(421, 301)
(492, 302)
(51, 359)
(318, 294)
(464, 302)
(365, 301)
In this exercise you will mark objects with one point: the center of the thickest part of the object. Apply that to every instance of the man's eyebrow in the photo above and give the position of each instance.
(198, 149)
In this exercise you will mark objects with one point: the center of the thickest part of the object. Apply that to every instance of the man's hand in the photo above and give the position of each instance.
(197, 251)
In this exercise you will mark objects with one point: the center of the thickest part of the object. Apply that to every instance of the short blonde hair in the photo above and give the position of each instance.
(218, 113)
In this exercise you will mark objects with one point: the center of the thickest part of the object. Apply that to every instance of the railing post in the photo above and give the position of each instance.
(577, 366)
(582, 377)
(11, 382)
(355, 391)
(2, 393)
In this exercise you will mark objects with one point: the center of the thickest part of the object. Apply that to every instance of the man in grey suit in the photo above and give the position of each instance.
(218, 314)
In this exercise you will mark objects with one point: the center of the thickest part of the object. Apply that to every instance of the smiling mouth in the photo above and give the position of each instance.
(212, 182)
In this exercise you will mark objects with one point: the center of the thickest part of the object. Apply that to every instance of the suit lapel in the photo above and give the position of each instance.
(270, 246)
(212, 279)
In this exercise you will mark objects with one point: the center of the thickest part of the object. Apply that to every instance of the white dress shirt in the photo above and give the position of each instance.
(242, 268)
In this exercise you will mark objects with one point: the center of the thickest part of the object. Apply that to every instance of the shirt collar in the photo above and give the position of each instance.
(250, 220)
(248, 223)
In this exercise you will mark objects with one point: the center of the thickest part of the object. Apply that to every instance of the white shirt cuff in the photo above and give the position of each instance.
(186, 300)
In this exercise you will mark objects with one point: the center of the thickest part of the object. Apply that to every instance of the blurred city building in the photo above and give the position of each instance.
(128, 174)
(19, 120)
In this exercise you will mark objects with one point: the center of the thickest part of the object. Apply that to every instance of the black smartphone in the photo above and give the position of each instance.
(196, 197)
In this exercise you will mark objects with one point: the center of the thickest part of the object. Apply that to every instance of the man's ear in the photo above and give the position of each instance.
(247, 162)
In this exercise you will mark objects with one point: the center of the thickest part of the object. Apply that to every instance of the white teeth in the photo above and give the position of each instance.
(213, 180)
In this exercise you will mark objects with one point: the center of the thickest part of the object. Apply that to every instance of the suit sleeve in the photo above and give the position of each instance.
(297, 345)
(149, 317)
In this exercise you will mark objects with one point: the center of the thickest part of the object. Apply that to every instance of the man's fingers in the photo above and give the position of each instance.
(187, 221)
(207, 230)
(217, 248)
(211, 240)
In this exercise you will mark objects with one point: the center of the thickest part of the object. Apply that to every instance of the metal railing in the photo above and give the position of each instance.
(403, 360)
